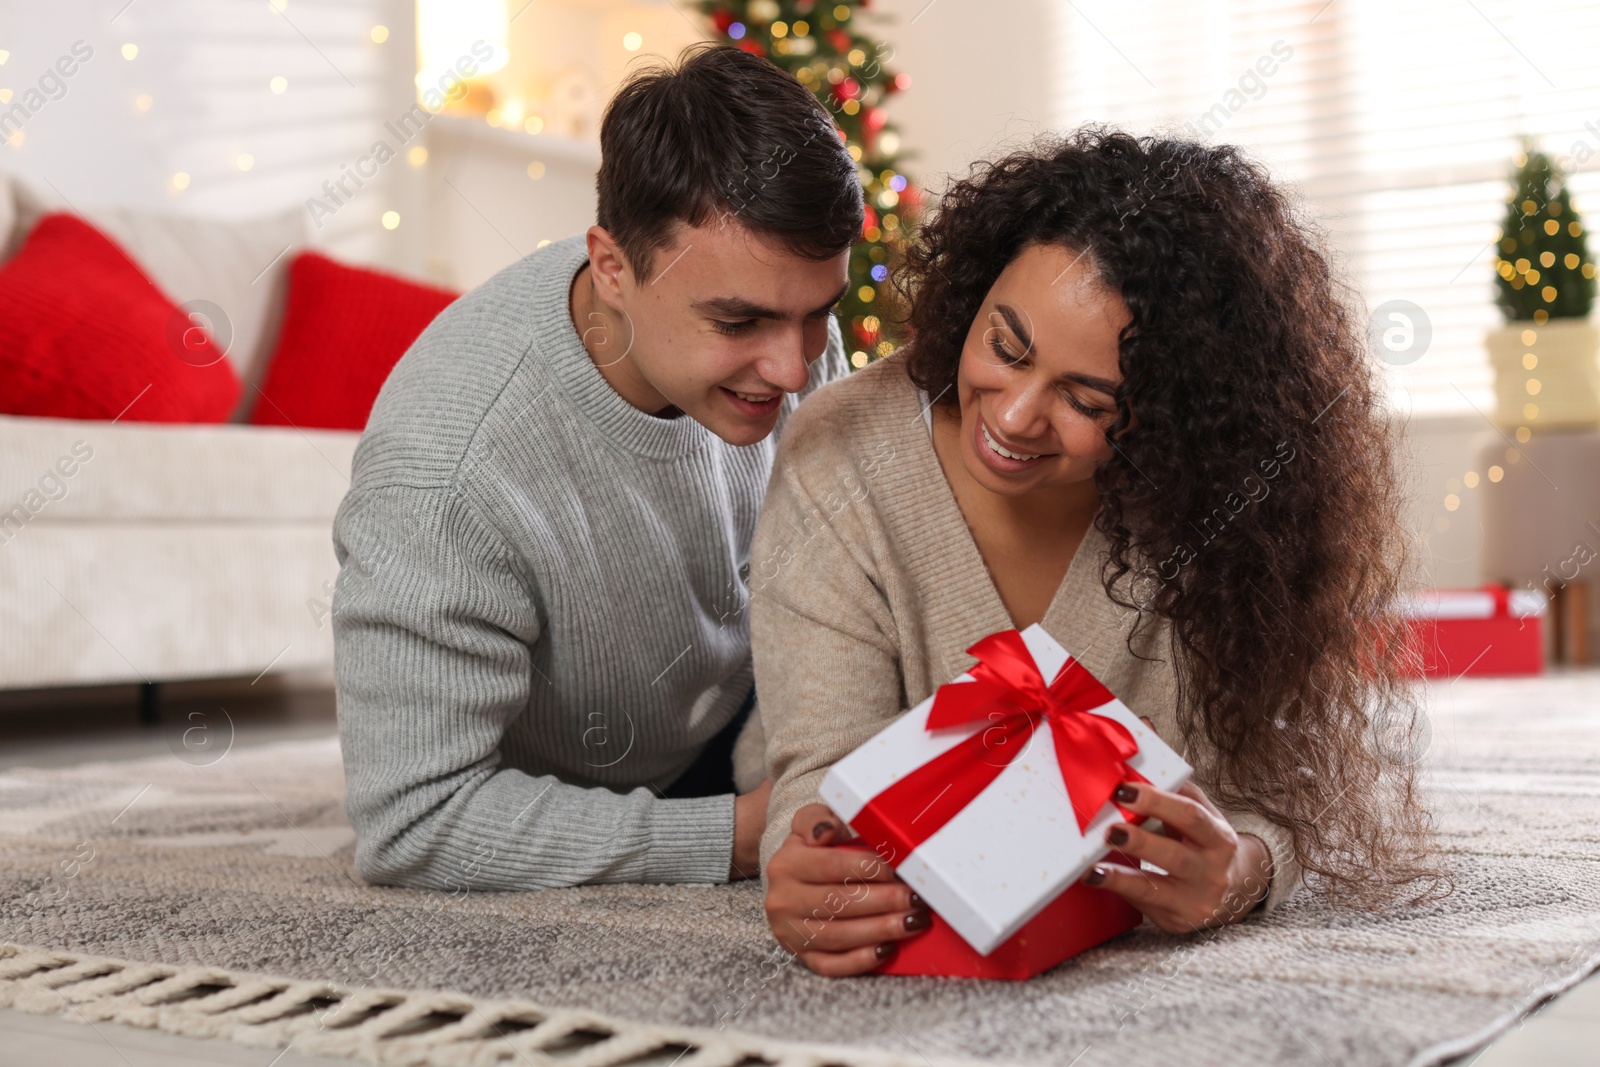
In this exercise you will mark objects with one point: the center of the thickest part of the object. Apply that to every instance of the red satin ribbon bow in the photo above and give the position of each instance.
(1008, 689)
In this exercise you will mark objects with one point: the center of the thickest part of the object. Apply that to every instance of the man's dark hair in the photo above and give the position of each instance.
(724, 132)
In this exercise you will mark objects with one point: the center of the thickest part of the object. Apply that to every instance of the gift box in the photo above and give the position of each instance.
(992, 798)
(1488, 631)
(1078, 919)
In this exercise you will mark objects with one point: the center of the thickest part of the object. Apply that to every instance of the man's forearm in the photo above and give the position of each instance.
(513, 831)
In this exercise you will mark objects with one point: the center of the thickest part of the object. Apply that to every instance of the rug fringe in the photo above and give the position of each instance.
(380, 1026)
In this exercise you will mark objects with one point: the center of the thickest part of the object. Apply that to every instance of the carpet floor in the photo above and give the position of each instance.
(217, 897)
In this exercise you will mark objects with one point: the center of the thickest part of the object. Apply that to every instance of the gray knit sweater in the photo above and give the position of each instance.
(540, 618)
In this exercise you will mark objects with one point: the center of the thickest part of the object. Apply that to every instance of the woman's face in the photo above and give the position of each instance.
(1037, 374)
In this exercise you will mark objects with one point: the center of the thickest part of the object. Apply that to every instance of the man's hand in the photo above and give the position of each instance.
(841, 910)
(749, 823)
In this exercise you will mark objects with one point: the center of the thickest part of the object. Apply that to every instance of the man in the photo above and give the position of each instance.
(541, 649)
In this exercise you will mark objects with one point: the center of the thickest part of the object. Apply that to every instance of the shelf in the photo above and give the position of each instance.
(544, 147)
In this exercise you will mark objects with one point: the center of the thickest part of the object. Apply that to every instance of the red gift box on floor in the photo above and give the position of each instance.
(1079, 919)
(992, 798)
(1481, 632)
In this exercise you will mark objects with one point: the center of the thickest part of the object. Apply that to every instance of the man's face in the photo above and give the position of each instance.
(727, 323)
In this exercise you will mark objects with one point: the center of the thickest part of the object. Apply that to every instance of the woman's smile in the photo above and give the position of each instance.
(1001, 457)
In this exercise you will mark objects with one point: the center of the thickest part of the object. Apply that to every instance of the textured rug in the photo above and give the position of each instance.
(212, 894)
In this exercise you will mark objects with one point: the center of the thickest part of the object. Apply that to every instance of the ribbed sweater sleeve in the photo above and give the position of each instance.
(816, 603)
(434, 629)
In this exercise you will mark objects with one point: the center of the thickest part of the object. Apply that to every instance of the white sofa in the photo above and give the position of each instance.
(142, 552)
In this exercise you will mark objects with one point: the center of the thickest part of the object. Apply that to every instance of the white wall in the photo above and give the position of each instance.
(980, 78)
(486, 209)
(1441, 450)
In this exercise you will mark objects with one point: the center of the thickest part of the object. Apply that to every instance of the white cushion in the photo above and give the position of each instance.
(171, 473)
(239, 266)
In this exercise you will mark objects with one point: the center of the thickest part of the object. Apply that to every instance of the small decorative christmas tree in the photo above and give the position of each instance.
(821, 44)
(1544, 267)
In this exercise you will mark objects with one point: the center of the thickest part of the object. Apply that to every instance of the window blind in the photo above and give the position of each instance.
(1396, 121)
(226, 108)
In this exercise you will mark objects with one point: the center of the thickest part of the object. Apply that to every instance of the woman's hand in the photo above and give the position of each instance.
(840, 910)
(1214, 877)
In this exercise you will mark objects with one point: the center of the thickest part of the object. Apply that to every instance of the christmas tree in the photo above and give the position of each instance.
(822, 45)
(1544, 267)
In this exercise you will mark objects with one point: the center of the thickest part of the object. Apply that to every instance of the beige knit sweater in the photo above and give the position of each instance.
(867, 588)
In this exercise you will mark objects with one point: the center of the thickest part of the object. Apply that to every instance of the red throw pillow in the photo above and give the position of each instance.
(344, 329)
(88, 336)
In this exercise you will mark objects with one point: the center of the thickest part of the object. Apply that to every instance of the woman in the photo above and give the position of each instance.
(1134, 410)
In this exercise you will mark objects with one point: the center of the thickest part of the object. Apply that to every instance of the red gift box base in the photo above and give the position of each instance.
(1478, 647)
(1082, 917)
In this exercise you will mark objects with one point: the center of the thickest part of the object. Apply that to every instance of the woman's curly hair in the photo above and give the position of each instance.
(1254, 502)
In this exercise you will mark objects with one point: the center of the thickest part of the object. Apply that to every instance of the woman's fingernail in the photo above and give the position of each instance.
(1096, 876)
(918, 902)
(1125, 794)
(821, 828)
(884, 950)
(918, 920)
(1117, 836)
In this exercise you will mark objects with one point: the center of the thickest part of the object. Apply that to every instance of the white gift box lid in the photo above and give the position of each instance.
(1470, 604)
(1016, 846)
